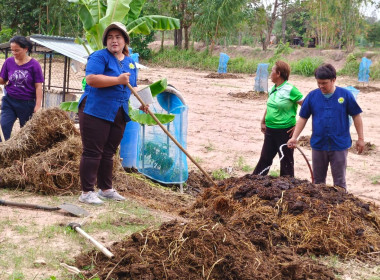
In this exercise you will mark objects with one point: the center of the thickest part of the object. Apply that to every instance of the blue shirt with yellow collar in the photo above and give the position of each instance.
(331, 129)
(105, 102)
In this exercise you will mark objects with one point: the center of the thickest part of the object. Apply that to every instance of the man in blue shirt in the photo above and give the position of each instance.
(329, 107)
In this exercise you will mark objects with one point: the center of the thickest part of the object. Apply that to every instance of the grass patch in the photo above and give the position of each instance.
(242, 165)
(274, 173)
(306, 66)
(54, 242)
(375, 180)
(210, 147)
(351, 67)
(170, 57)
(220, 174)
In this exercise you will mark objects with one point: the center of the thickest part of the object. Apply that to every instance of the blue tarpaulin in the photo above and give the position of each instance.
(261, 79)
(223, 60)
(363, 75)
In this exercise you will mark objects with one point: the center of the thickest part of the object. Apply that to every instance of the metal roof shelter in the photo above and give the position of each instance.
(53, 47)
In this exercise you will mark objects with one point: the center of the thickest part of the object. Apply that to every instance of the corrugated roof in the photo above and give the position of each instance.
(63, 45)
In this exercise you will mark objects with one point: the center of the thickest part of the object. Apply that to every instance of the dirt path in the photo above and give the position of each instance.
(222, 128)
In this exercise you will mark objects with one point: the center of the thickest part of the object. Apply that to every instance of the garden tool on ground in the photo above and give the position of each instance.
(169, 134)
(282, 156)
(104, 250)
(2, 135)
(69, 208)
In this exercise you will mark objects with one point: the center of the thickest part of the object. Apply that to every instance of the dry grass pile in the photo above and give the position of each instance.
(44, 157)
(253, 227)
(54, 171)
(44, 130)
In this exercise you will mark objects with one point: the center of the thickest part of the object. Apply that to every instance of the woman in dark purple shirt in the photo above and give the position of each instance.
(23, 78)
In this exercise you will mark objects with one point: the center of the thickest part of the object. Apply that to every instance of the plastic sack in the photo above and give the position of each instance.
(363, 75)
(223, 60)
(261, 79)
(355, 93)
(135, 57)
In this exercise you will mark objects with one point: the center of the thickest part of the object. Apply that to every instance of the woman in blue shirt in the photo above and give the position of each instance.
(103, 112)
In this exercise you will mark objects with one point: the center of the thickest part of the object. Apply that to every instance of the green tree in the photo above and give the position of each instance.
(216, 18)
(373, 34)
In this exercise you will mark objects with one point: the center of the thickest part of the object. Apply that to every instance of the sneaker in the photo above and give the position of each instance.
(110, 194)
(90, 198)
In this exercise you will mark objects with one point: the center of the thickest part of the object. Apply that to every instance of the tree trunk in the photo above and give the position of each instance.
(270, 26)
(187, 39)
(162, 40)
(175, 37)
(283, 21)
(179, 39)
(240, 38)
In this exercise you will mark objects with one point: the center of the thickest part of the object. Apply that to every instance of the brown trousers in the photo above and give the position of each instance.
(100, 140)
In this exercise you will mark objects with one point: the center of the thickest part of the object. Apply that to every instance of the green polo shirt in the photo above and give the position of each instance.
(282, 106)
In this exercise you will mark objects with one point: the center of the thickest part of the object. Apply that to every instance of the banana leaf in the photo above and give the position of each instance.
(154, 22)
(69, 106)
(147, 119)
(158, 87)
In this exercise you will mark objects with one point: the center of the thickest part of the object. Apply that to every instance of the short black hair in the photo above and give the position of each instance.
(22, 42)
(325, 72)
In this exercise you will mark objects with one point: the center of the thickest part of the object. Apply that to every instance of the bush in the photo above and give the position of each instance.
(351, 67)
(306, 66)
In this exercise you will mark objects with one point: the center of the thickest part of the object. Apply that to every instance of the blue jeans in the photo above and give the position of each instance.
(13, 109)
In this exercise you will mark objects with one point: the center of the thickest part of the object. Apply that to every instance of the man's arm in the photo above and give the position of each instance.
(300, 125)
(358, 123)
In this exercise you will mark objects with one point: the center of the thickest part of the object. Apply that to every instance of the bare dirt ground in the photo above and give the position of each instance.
(223, 128)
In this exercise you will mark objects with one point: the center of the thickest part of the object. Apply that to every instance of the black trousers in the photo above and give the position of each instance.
(100, 140)
(273, 139)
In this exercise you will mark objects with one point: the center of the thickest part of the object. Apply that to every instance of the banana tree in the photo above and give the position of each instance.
(96, 15)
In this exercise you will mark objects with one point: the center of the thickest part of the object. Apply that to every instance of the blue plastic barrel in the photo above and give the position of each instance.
(223, 60)
(135, 57)
(128, 145)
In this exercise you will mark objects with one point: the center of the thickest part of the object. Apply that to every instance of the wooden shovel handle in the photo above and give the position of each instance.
(103, 249)
(170, 136)
(28, 205)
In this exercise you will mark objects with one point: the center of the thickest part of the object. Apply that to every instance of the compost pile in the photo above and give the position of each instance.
(253, 227)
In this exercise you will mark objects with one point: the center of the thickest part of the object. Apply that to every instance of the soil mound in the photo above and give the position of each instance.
(250, 95)
(369, 148)
(222, 76)
(253, 227)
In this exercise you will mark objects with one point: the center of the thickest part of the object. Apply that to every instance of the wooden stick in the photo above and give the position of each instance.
(2, 135)
(168, 134)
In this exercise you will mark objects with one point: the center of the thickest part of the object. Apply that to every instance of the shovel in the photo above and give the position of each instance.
(70, 208)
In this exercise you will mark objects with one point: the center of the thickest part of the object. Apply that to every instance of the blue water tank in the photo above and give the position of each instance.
(128, 145)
